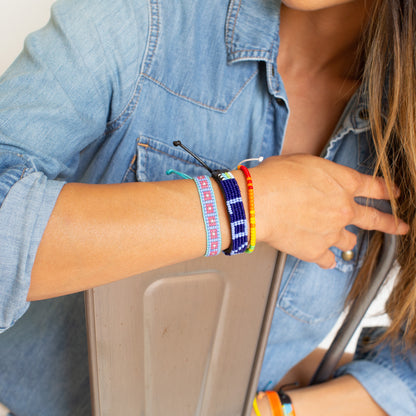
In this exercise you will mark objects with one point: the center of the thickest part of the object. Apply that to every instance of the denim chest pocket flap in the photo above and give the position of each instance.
(155, 157)
(192, 64)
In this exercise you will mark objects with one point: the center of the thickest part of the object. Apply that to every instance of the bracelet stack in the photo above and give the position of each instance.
(279, 402)
(235, 208)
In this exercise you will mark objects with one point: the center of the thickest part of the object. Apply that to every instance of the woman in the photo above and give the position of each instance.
(104, 90)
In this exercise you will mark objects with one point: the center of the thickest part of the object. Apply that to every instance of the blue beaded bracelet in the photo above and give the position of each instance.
(234, 203)
(210, 214)
(236, 212)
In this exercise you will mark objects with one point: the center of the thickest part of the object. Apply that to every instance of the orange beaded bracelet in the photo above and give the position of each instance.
(274, 403)
(252, 212)
(280, 403)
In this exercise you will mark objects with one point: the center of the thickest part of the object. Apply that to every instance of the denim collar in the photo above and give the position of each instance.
(252, 30)
(252, 33)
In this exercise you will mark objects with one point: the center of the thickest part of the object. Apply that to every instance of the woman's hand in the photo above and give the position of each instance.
(304, 203)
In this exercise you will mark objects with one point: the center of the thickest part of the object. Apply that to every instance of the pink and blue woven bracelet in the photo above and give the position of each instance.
(210, 214)
(234, 202)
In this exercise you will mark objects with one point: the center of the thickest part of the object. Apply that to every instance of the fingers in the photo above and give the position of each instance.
(359, 184)
(373, 187)
(369, 218)
(327, 260)
(312, 188)
(347, 241)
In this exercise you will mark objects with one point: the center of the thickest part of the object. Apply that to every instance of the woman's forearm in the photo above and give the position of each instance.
(343, 396)
(102, 233)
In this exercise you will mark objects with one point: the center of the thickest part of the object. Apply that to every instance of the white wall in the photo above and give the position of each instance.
(17, 19)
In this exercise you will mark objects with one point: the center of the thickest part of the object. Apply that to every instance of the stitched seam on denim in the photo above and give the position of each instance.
(283, 289)
(28, 159)
(232, 16)
(218, 109)
(268, 129)
(154, 32)
(130, 168)
(26, 163)
(23, 173)
(312, 319)
(153, 36)
(273, 63)
(265, 53)
(125, 115)
(240, 54)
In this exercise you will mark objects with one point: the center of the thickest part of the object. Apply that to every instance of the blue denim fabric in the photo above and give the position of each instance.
(43, 361)
(375, 366)
(100, 94)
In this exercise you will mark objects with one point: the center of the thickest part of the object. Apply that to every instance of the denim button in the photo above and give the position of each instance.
(348, 255)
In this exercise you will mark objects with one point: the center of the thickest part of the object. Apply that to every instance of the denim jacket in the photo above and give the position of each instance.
(100, 94)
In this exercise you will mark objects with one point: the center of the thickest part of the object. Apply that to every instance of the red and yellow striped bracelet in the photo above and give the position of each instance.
(252, 212)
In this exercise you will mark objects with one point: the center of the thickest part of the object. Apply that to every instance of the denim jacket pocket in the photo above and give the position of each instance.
(313, 295)
(155, 157)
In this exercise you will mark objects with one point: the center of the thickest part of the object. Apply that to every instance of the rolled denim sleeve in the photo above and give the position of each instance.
(24, 213)
(387, 372)
(56, 99)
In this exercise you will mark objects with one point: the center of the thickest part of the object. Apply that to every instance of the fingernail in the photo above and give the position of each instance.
(334, 264)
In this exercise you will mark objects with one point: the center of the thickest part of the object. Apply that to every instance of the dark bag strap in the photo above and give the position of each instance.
(357, 311)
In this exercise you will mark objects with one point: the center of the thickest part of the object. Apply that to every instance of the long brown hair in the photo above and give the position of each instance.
(389, 78)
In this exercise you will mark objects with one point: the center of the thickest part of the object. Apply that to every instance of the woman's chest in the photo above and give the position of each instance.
(316, 107)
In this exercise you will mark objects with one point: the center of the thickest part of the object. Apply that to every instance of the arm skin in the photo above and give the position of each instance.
(343, 396)
(101, 233)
